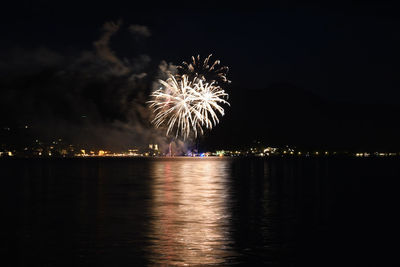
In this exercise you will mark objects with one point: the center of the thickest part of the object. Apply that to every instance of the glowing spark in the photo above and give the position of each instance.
(187, 105)
(208, 98)
(172, 105)
(198, 69)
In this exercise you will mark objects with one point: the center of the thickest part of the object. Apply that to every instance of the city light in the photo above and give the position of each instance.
(59, 148)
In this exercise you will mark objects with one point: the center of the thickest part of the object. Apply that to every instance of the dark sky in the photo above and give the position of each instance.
(341, 53)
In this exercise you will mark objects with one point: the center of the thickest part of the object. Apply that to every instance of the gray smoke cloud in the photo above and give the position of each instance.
(164, 70)
(93, 98)
(140, 30)
(104, 51)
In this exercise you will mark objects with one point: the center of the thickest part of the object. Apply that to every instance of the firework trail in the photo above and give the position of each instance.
(187, 105)
(204, 70)
(208, 98)
(172, 105)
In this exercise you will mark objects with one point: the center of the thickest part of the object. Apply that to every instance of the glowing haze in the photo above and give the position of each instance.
(190, 101)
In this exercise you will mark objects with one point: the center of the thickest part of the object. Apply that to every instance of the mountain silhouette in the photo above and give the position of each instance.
(283, 114)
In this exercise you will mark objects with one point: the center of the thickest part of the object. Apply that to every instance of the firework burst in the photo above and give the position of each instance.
(187, 105)
(171, 104)
(204, 70)
(208, 98)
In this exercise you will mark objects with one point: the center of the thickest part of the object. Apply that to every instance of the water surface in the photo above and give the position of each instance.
(212, 212)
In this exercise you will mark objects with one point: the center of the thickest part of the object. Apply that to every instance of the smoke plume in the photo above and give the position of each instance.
(93, 98)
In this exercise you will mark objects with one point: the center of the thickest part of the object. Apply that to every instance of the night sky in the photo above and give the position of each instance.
(307, 74)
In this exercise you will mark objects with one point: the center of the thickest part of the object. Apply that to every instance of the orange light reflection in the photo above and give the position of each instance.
(190, 217)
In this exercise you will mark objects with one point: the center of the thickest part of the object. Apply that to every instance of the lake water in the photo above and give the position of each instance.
(200, 212)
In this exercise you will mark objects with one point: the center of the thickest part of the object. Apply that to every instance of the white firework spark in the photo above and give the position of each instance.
(187, 105)
(172, 105)
(203, 70)
(207, 105)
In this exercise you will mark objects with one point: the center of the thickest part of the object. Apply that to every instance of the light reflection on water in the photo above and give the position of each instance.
(190, 221)
(200, 212)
